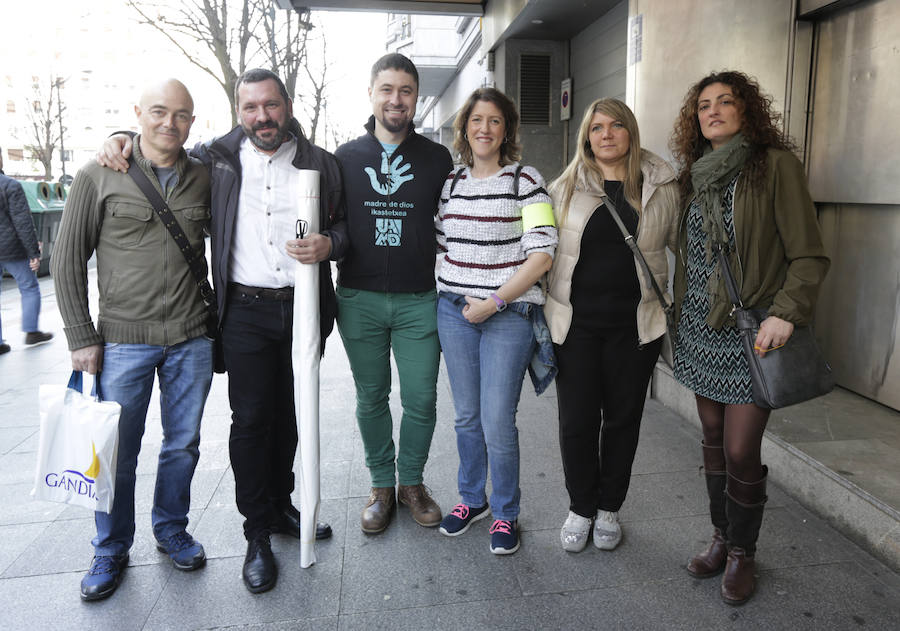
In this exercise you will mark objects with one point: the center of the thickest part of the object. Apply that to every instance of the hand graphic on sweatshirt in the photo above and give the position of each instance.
(392, 175)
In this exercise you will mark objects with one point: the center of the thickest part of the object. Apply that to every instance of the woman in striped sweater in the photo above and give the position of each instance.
(496, 229)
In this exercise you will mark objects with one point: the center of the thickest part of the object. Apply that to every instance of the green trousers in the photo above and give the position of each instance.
(371, 324)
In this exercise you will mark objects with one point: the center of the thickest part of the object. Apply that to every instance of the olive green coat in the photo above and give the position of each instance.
(147, 293)
(780, 260)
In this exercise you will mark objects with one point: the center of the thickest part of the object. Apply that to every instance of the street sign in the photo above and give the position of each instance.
(565, 100)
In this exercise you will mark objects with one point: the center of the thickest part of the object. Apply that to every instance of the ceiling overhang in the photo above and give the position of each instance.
(434, 7)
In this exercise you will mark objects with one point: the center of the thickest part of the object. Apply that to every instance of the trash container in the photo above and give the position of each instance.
(46, 201)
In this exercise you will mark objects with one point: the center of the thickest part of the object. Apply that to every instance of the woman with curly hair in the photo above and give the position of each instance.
(496, 229)
(603, 313)
(746, 193)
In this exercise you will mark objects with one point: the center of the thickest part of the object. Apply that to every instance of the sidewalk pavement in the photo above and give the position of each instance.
(409, 577)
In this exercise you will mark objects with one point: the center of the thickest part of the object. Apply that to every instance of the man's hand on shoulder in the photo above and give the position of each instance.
(115, 152)
(88, 359)
(313, 249)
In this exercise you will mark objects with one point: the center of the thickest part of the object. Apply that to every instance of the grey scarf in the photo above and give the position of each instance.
(709, 177)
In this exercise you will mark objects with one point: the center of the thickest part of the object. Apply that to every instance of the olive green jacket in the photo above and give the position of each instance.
(147, 293)
(780, 260)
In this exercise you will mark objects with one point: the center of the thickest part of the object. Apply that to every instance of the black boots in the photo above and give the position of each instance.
(744, 509)
(711, 561)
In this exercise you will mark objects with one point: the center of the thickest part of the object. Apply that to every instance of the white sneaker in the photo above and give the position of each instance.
(607, 531)
(574, 533)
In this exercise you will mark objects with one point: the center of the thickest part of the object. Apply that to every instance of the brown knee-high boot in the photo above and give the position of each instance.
(744, 507)
(712, 560)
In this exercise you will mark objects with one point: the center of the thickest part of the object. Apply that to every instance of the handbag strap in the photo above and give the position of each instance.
(639, 256)
(191, 256)
(730, 283)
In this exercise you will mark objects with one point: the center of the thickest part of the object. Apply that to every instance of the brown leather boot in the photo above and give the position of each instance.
(711, 561)
(377, 513)
(745, 502)
(738, 582)
(425, 510)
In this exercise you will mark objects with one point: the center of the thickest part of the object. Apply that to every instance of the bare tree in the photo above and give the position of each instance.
(285, 39)
(223, 27)
(236, 32)
(282, 39)
(45, 123)
(314, 101)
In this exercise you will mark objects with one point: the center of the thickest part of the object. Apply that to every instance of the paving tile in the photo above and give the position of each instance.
(12, 438)
(328, 623)
(408, 566)
(872, 464)
(20, 508)
(52, 601)
(16, 540)
(17, 467)
(216, 596)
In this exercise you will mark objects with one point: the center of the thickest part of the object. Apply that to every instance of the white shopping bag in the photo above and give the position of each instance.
(77, 449)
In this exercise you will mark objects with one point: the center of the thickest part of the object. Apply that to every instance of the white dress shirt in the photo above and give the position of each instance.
(266, 217)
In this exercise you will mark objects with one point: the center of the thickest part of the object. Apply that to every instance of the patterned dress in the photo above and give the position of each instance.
(709, 361)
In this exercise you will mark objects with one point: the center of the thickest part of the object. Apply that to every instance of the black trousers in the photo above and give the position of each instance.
(256, 339)
(601, 386)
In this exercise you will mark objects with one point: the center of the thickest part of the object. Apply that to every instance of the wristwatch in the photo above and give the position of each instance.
(501, 304)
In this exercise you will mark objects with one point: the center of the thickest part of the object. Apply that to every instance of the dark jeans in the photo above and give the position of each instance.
(601, 388)
(256, 338)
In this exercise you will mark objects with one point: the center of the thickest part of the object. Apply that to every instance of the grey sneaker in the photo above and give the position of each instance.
(607, 531)
(574, 533)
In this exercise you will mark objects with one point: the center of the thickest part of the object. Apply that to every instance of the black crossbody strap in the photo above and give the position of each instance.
(191, 256)
(456, 177)
(516, 181)
(632, 244)
(730, 283)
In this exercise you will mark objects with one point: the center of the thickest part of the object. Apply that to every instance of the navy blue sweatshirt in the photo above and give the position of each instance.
(391, 202)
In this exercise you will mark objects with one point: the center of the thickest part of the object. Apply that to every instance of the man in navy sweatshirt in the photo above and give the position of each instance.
(386, 291)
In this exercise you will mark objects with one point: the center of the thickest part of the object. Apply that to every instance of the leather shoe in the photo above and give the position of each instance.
(260, 571)
(424, 509)
(738, 581)
(287, 522)
(377, 513)
(34, 338)
(711, 561)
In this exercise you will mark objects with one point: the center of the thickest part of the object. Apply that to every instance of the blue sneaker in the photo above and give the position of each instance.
(103, 577)
(504, 536)
(458, 520)
(186, 553)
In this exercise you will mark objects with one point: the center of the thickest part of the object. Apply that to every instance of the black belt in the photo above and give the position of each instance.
(264, 293)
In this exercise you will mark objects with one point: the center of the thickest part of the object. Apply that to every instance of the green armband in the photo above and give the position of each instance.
(534, 215)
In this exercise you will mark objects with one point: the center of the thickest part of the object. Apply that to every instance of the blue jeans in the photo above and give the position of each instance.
(486, 364)
(28, 289)
(185, 374)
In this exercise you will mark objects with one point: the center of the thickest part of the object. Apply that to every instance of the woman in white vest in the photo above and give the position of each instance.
(605, 319)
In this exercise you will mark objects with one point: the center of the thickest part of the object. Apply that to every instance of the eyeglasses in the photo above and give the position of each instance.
(302, 228)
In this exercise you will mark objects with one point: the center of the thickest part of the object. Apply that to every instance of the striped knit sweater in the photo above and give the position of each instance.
(479, 232)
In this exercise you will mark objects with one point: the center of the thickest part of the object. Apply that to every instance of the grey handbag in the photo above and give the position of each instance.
(790, 374)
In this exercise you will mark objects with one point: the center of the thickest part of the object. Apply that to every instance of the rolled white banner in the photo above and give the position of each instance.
(305, 359)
